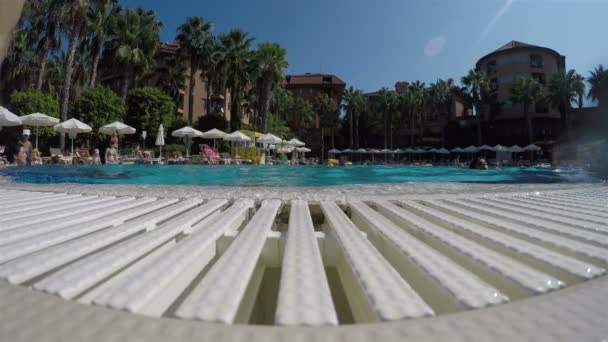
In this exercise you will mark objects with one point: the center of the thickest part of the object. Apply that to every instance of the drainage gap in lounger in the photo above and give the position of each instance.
(318, 219)
(263, 312)
(345, 315)
(282, 218)
(170, 312)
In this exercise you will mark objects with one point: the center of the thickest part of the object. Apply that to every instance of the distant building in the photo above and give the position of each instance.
(308, 86)
(503, 67)
(220, 101)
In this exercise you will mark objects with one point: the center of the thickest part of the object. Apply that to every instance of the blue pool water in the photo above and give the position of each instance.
(282, 175)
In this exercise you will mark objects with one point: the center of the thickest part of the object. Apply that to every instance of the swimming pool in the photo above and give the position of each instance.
(281, 175)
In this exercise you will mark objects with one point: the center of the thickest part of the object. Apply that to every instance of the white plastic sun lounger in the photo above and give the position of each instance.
(304, 296)
(386, 295)
(8, 219)
(50, 223)
(468, 289)
(33, 203)
(569, 264)
(30, 266)
(537, 234)
(116, 216)
(218, 296)
(566, 208)
(174, 269)
(574, 203)
(534, 221)
(524, 275)
(72, 280)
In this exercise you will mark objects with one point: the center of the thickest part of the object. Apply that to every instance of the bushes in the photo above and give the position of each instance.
(147, 108)
(33, 101)
(212, 121)
(98, 107)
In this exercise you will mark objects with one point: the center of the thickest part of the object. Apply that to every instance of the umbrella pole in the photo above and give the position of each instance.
(36, 137)
(72, 146)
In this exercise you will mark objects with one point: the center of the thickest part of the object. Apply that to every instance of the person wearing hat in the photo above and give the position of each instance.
(24, 148)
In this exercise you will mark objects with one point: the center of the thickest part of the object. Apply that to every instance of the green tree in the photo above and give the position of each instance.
(147, 108)
(598, 80)
(298, 112)
(278, 126)
(75, 18)
(46, 15)
(476, 84)
(565, 88)
(235, 65)
(354, 104)
(134, 40)
(172, 76)
(271, 61)
(526, 91)
(440, 96)
(97, 107)
(35, 101)
(212, 57)
(211, 121)
(192, 37)
(386, 105)
(328, 115)
(98, 24)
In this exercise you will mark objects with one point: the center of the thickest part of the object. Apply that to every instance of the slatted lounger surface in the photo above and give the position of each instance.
(379, 261)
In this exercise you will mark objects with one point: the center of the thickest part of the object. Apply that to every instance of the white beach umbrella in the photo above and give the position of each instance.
(214, 134)
(118, 128)
(500, 148)
(237, 136)
(295, 142)
(269, 139)
(532, 147)
(38, 120)
(443, 151)
(386, 150)
(515, 149)
(485, 148)
(361, 150)
(303, 149)
(8, 119)
(188, 133)
(332, 151)
(160, 140)
(348, 150)
(470, 149)
(456, 150)
(72, 127)
(432, 150)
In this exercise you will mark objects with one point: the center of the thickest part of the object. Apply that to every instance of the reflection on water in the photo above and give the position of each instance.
(281, 175)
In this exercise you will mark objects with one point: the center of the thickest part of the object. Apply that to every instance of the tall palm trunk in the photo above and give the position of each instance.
(95, 65)
(390, 130)
(529, 128)
(357, 131)
(46, 47)
(125, 86)
(412, 128)
(67, 80)
(265, 98)
(478, 124)
(191, 90)
(322, 144)
(385, 129)
(209, 89)
(350, 124)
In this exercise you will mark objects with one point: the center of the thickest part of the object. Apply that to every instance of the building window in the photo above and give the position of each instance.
(539, 77)
(536, 61)
(491, 68)
(180, 101)
(204, 84)
(326, 79)
(494, 84)
(204, 104)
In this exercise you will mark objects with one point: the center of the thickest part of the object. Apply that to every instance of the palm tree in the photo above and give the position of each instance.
(75, 19)
(599, 85)
(353, 102)
(565, 88)
(418, 102)
(326, 111)
(271, 61)
(210, 62)
(46, 16)
(386, 104)
(440, 94)
(134, 40)
(172, 77)
(526, 91)
(235, 65)
(476, 84)
(98, 23)
(192, 37)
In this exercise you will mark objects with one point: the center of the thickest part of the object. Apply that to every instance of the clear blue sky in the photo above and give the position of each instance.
(372, 44)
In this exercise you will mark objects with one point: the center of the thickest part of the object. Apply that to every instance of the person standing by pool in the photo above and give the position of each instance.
(24, 148)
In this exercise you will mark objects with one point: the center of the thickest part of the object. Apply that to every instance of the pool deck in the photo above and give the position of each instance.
(576, 313)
